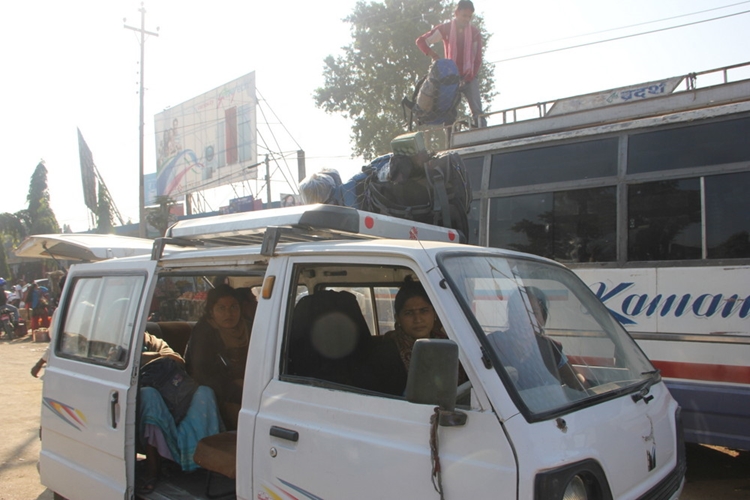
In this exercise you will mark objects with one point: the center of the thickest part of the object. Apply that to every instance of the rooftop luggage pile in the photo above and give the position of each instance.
(410, 183)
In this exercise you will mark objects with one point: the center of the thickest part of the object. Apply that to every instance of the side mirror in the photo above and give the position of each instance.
(433, 373)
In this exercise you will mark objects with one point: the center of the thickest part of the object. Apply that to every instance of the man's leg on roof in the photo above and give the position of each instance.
(473, 98)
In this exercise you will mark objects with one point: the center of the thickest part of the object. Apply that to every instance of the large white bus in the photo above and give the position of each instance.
(645, 192)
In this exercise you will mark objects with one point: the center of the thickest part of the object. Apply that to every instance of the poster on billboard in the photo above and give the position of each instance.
(290, 200)
(208, 141)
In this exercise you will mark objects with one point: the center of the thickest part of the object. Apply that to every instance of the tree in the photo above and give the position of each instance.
(382, 65)
(13, 228)
(4, 269)
(161, 217)
(38, 218)
(41, 216)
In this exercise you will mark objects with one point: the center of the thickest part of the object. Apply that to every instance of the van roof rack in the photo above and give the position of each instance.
(296, 224)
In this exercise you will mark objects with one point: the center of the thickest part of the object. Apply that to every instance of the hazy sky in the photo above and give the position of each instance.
(72, 64)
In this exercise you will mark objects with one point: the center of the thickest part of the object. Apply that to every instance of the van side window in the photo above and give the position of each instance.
(101, 314)
(335, 332)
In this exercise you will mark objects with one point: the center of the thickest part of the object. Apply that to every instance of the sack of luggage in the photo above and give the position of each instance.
(436, 95)
(410, 183)
(437, 192)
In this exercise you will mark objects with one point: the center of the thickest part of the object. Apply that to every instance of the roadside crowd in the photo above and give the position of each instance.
(30, 303)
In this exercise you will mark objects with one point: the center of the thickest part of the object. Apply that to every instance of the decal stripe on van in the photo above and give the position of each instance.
(66, 413)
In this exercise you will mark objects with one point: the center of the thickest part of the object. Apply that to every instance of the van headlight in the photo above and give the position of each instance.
(583, 480)
(576, 490)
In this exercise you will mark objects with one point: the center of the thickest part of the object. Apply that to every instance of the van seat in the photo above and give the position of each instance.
(174, 333)
(217, 454)
(153, 328)
(329, 337)
(330, 340)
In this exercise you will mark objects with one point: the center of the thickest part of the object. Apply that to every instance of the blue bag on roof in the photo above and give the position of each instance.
(436, 95)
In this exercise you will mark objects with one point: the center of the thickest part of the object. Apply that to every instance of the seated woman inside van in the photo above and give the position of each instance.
(217, 351)
(161, 432)
(415, 319)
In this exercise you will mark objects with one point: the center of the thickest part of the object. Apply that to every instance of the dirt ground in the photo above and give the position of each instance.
(713, 472)
(20, 396)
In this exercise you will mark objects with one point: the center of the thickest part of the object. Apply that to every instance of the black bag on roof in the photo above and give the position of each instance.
(437, 192)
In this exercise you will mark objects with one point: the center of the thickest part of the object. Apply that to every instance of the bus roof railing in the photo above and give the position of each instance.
(303, 223)
(619, 95)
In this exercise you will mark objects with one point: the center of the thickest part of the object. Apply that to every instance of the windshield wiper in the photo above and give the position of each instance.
(643, 392)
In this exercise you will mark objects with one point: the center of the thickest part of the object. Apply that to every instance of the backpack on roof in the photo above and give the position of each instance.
(437, 192)
(436, 95)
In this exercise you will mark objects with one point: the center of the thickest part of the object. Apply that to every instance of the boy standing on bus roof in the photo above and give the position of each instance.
(462, 43)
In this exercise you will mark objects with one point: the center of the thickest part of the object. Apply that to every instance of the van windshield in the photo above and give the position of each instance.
(555, 343)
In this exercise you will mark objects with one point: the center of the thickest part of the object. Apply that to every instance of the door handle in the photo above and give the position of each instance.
(114, 399)
(282, 433)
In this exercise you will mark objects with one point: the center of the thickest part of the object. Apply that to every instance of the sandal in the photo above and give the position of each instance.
(147, 485)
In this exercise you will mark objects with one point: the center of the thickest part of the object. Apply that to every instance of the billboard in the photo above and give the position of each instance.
(87, 174)
(207, 141)
(242, 204)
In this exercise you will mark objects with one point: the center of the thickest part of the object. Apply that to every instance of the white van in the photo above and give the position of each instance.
(322, 415)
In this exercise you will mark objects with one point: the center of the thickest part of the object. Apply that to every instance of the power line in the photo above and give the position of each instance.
(628, 26)
(617, 38)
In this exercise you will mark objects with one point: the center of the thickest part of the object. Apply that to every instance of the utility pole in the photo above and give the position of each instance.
(301, 171)
(268, 182)
(142, 196)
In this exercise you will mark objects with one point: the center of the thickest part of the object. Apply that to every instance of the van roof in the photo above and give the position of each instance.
(302, 223)
(267, 228)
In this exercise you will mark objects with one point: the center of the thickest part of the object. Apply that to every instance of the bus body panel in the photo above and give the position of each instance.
(692, 323)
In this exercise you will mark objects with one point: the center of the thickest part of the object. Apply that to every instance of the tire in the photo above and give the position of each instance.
(8, 328)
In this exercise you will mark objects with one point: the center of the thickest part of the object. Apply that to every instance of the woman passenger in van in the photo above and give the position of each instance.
(415, 319)
(217, 351)
(161, 433)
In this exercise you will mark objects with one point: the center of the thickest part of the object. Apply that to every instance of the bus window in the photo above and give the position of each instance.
(685, 147)
(664, 220)
(569, 226)
(567, 162)
(728, 216)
